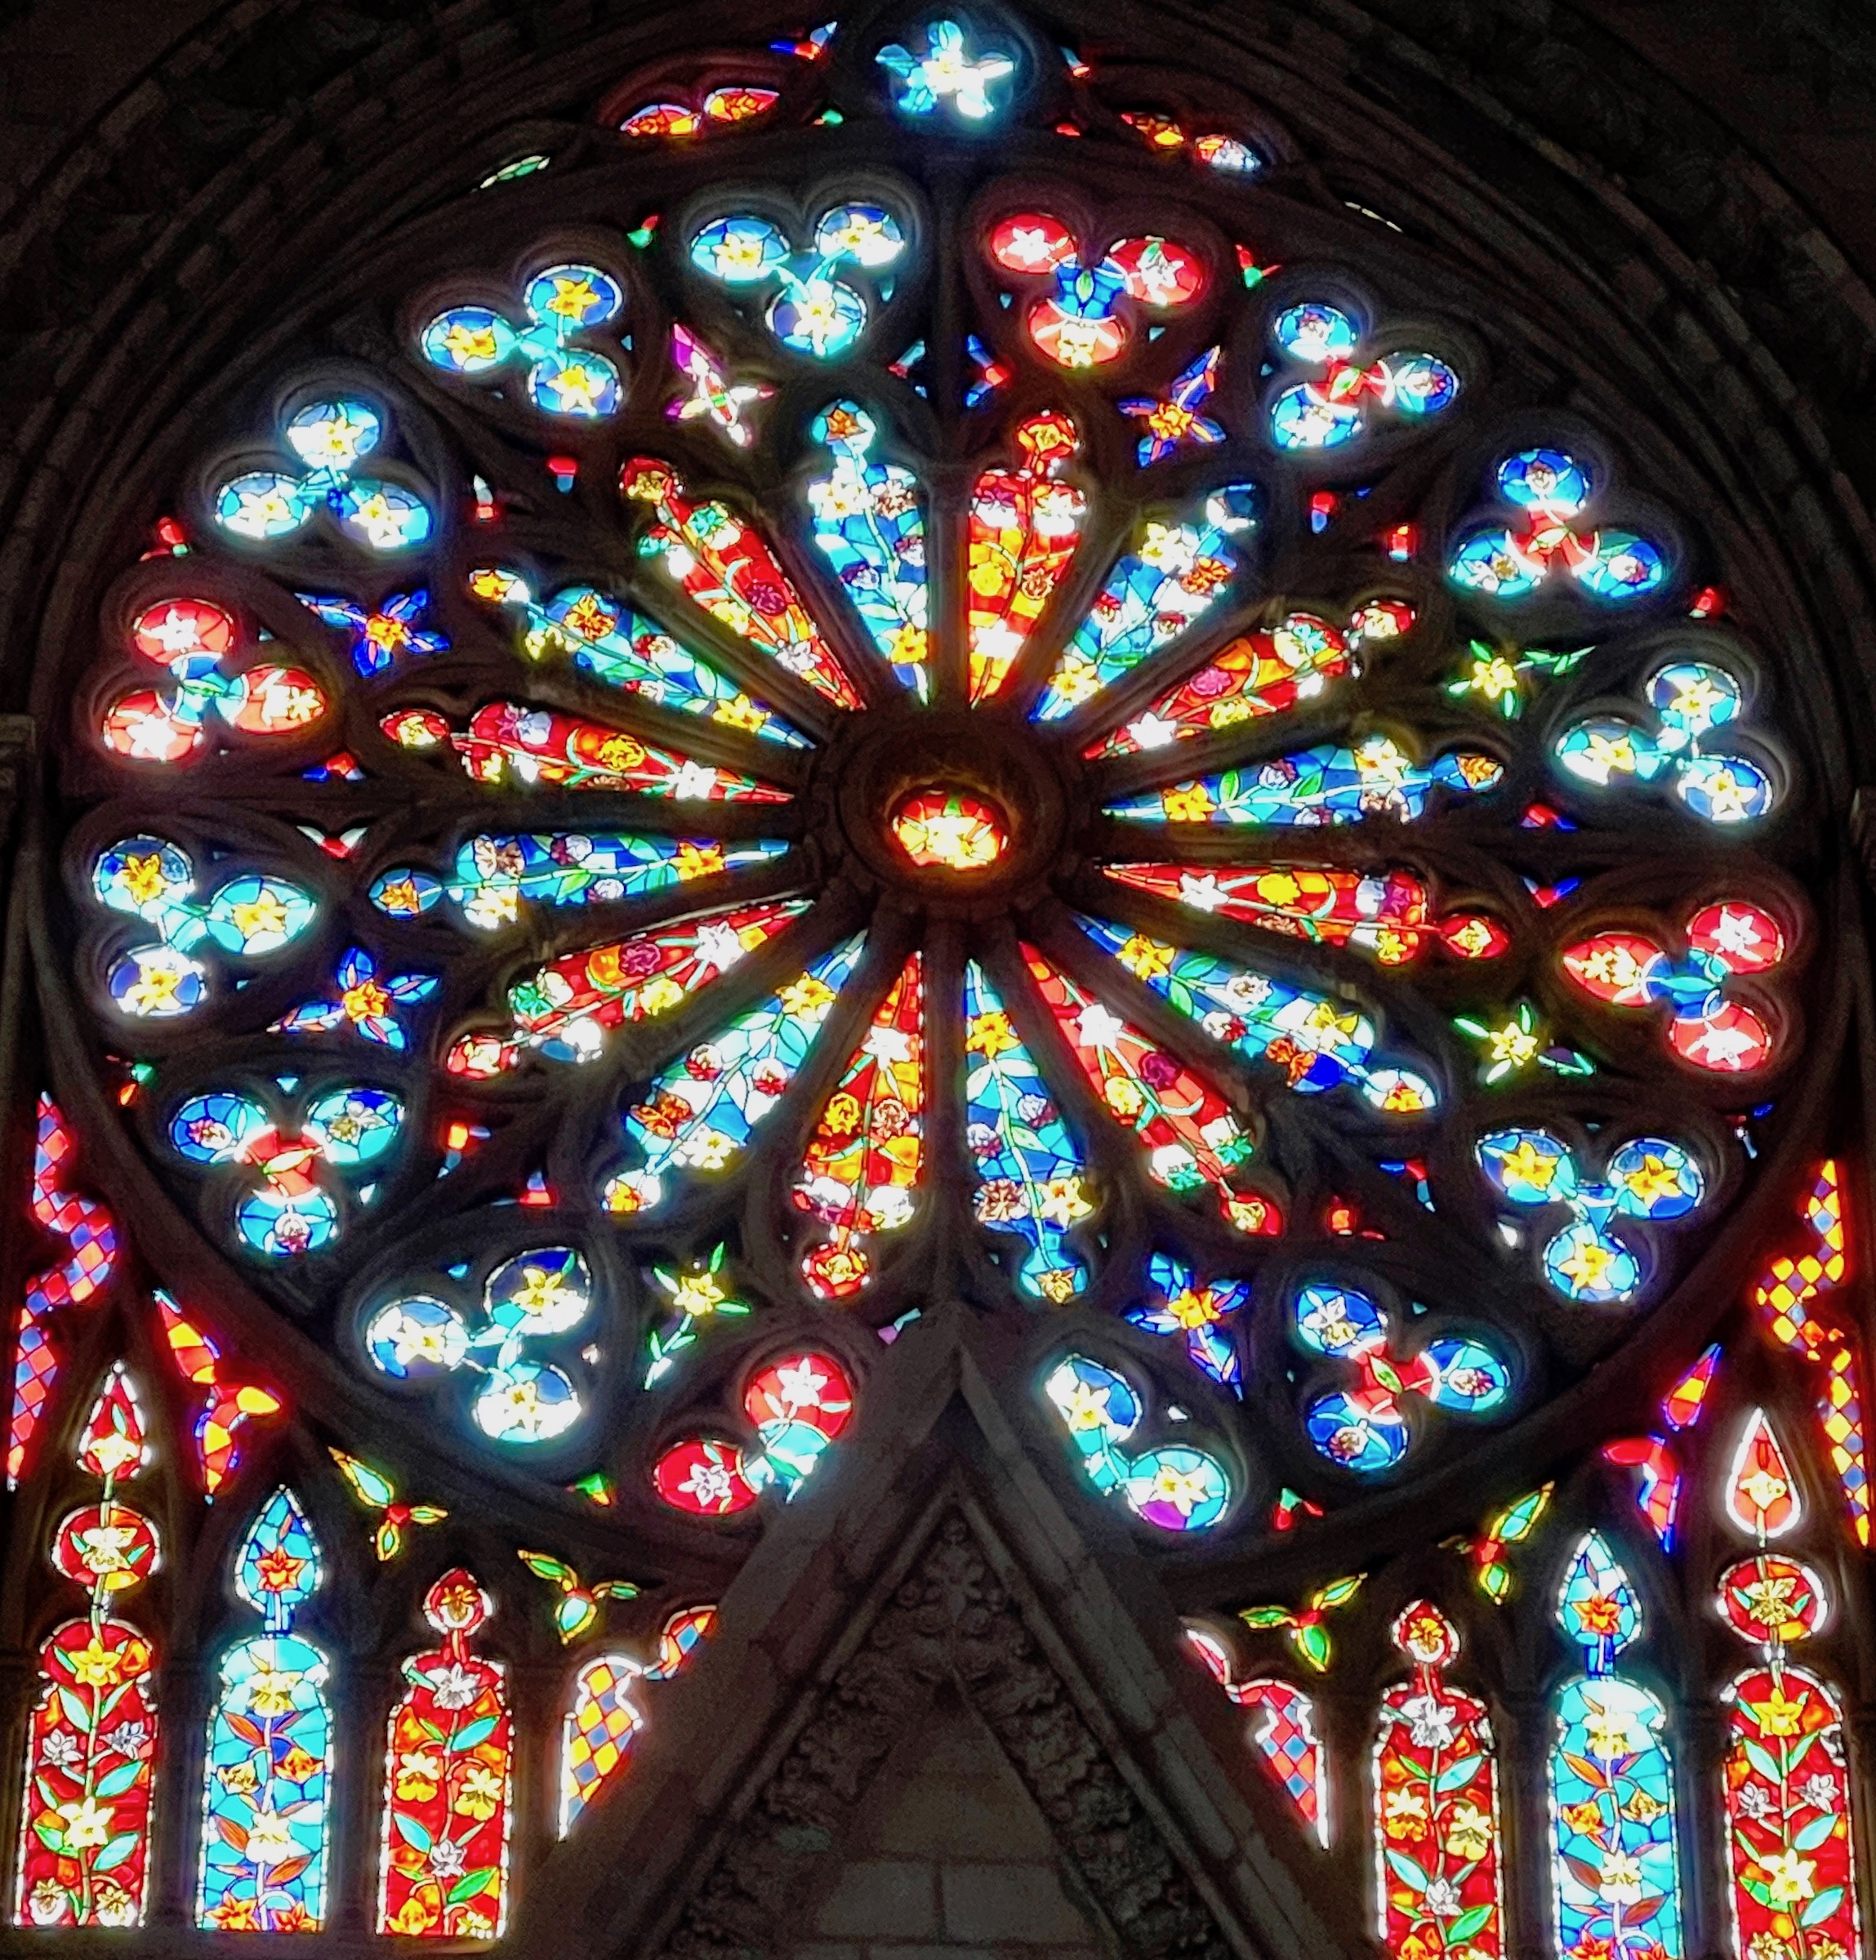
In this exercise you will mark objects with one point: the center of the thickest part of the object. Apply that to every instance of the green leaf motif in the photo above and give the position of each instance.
(1820, 1907)
(1406, 1871)
(471, 1885)
(1457, 1776)
(113, 1783)
(1819, 1831)
(76, 1712)
(1313, 1644)
(412, 1833)
(1762, 1759)
(1471, 1922)
(114, 1853)
(468, 1737)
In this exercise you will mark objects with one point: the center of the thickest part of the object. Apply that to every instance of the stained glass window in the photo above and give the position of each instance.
(979, 781)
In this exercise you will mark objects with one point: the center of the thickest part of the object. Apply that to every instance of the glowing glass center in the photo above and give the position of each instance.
(944, 827)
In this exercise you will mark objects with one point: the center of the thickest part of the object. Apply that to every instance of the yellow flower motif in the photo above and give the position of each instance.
(1060, 1201)
(1147, 958)
(270, 1693)
(1764, 1489)
(1190, 803)
(1788, 1878)
(1469, 1832)
(480, 1794)
(1528, 1165)
(806, 995)
(1620, 1882)
(1191, 1307)
(1776, 1715)
(143, 877)
(697, 1294)
(88, 1823)
(989, 1034)
(264, 914)
(1607, 1730)
(1405, 1814)
(1124, 1096)
(240, 1777)
(418, 1773)
(1513, 1045)
(1587, 1263)
(573, 298)
(658, 995)
(96, 1666)
(1654, 1179)
(699, 860)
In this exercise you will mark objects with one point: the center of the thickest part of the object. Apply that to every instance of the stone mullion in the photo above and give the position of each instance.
(1521, 1724)
(1699, 1780)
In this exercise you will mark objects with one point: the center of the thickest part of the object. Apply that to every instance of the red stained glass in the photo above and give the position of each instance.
(663, 119)
(797, 1406)
(174, 628)
(738, 102)
(1191, 1138)
(862, 1163)
(1387, 914)
(84, 1858)
(566, 1008)
(1788, 1298)
(726, 569)
(508, 742)
(1025, 523)
(91, 1238)
(1258, 673)
(91, 1738)
(227, 1406)
(445, 1870)
(1437, 1860)
(946, 829)
(1789, 1848)
(1762, 1495)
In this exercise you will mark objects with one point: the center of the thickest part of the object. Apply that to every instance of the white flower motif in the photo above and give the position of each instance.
(454, 1686)
(448, 1859)
(1429, 1723)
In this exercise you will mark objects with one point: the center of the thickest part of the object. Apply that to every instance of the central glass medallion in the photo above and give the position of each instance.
(950, 830)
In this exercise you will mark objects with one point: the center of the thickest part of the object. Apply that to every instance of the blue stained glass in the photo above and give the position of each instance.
(1031, 1177)
(1320, 1042)
(1615, 1864)
(1164, 587)
(1691, 698)
(1176, 1486)
(1651, 1178)
(495, 876)
(1365, 1427)
(562, 380)
(573, 298)
(701, 1113)
(268, 1772)
(869, 523)
(621, 648)
(575, 381)
(1329, 785)
(1199, 1314)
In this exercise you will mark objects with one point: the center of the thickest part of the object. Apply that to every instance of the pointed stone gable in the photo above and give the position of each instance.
(951, 1622)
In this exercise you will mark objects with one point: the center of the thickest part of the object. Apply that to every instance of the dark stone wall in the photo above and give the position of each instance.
(1794, 80)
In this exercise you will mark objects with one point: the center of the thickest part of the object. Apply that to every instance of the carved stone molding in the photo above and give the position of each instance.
(951, 1620)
